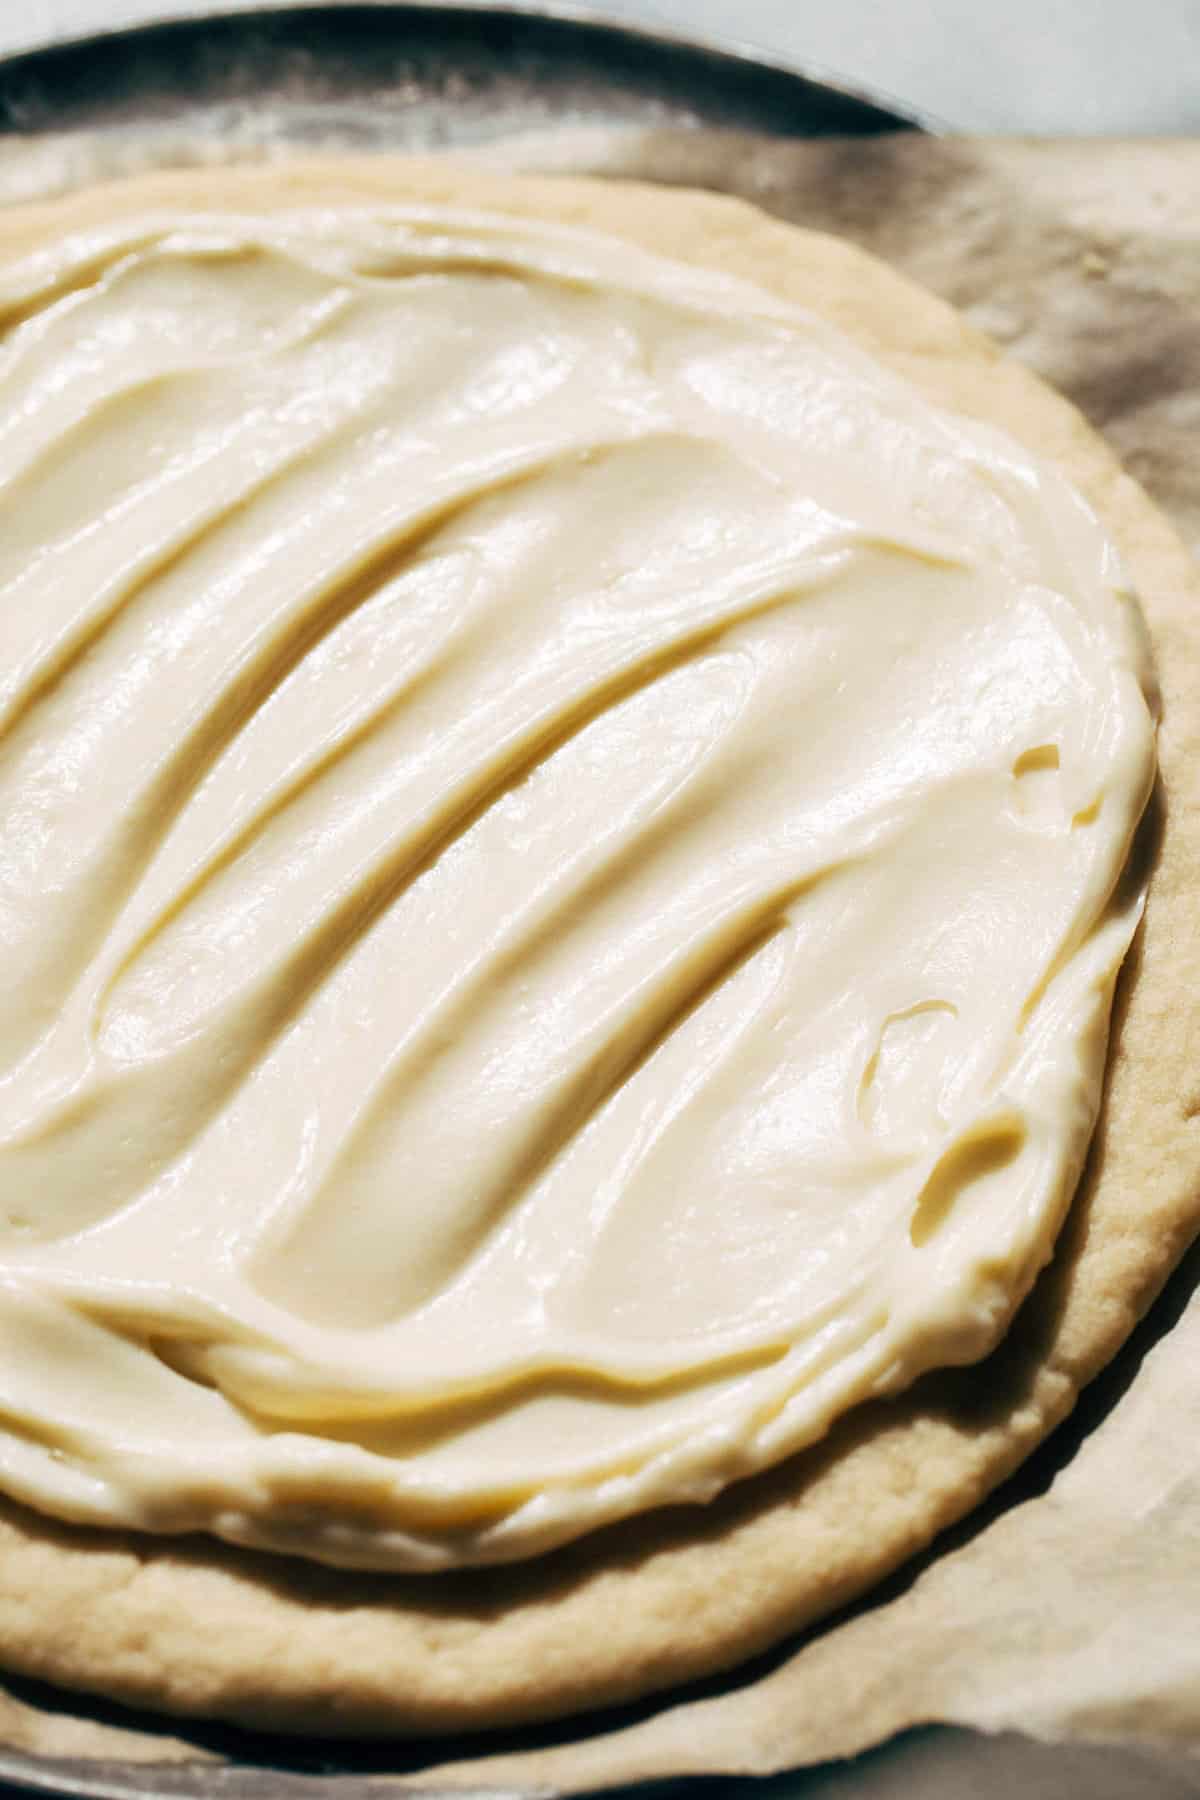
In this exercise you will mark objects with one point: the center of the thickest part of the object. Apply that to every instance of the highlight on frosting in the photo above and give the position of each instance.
(560, 888)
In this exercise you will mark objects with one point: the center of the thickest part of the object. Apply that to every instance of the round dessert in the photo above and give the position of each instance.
(573, 761)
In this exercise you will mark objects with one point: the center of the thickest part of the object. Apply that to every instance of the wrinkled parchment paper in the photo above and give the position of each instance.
(1072, 1612)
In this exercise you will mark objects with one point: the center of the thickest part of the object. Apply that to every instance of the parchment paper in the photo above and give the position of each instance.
(1071, 1610)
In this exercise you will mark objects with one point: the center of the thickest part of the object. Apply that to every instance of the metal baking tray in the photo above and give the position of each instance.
(425, 77)
(417, 77)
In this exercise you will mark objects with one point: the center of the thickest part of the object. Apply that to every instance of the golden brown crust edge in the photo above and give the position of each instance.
(198, 1628)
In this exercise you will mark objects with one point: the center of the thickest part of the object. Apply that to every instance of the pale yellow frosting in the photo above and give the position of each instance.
(560, 880)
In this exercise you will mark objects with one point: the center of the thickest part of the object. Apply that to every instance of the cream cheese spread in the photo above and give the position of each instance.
(560, 884)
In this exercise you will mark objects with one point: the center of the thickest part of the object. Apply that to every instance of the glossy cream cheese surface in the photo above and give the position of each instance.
(559, 888)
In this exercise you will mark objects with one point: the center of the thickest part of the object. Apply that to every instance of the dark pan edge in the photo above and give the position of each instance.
(77, 83)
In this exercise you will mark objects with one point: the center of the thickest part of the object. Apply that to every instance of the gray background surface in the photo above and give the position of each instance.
(1111, 67)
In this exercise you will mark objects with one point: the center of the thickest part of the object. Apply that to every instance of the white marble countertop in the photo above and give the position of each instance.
(1104, 67)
